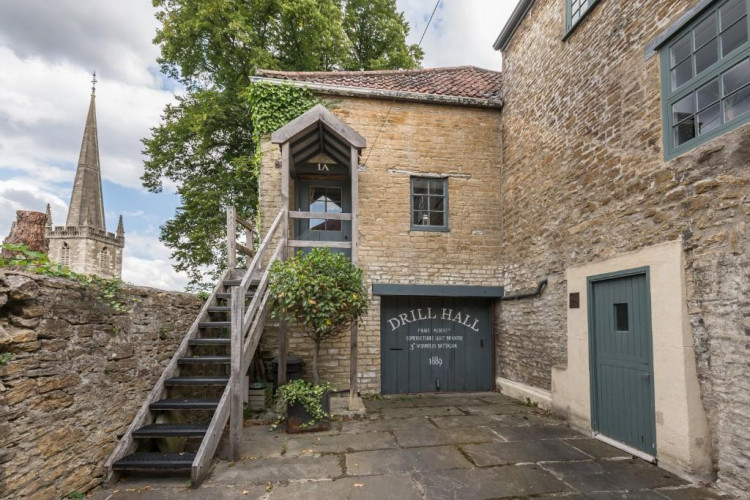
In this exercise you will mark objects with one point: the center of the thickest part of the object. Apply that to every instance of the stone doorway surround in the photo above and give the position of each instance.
(682, 437)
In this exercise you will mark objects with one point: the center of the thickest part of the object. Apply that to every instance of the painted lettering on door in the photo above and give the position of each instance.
(446, 314)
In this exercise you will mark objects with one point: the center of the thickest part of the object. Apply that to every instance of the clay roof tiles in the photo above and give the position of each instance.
(459, 81)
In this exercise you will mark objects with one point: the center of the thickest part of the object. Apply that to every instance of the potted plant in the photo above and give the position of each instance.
(324, 294)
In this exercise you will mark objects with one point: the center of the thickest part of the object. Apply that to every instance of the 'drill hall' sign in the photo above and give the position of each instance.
(434, 328)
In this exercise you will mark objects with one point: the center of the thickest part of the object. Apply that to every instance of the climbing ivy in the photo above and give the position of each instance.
(274, 105)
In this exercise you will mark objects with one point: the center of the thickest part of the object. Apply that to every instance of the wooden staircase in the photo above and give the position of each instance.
(204, 386)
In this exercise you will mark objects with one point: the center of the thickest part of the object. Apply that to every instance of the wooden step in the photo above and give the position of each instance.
(227, 296)
(219, 309)
(175, 381)
(184, 404)
(200, 360)
(210, 341)
(150, 461)
(214, 324)
(171, 430)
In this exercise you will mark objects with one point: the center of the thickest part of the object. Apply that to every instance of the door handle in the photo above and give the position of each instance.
(481, 342)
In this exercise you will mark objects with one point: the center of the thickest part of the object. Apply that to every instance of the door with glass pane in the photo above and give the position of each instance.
(326, 196)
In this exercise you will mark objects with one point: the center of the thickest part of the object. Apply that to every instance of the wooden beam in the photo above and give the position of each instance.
(202, 461)
(246, 250)
(285, 159)
(235, 381)
(245, 223)
(231, 238)
(318, 113)
(318, 215)
(319, 244)
(333, 153)
(353, 363)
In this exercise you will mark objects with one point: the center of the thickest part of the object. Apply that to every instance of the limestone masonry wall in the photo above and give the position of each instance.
(584, 179)
(79, 373)
(463, 143)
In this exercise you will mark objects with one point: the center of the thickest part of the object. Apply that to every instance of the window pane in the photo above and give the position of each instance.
(436, 187)
(621, 318)
(708, 94)
(334, 194)
(684, 131)
(734, 37)
(709, 119)
(683, 108)
(318, 205)
(333, 225)
(737, 77)
(437, 203)
(682, 73)
(420, 202)
(317, 225)
(436, 219)
(334, 208)
(705, 31)
(421, 218)
(420, 186)
(737, 104)
(731, 12)
(681, 49)
(706, 55)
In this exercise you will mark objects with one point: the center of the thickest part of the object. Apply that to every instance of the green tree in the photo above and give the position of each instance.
(206, 143)
(322, 292)
(377, 32)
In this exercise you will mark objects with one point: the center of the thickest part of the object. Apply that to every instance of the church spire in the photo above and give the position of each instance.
(86, 199)
(120, 228)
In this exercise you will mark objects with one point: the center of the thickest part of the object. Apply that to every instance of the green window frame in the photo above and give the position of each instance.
(429, 204)
(705, 73)
(575, 10)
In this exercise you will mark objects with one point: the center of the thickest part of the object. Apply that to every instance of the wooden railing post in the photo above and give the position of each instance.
(284, 253)
(231, 239)
(236, 399)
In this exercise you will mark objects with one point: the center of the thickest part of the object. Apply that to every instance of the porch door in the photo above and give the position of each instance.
(621, 359)
(330, 196)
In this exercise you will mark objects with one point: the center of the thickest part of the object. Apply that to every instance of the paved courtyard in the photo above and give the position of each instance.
(426, 447)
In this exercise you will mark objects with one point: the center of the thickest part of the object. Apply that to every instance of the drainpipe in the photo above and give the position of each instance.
(541, 285)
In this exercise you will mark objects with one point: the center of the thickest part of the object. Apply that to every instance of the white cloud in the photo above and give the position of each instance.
(23, 193)
(462, 32)
(146, 262)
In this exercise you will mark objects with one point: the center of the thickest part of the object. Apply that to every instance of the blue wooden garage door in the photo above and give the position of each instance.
(621, 359)
(435, 344)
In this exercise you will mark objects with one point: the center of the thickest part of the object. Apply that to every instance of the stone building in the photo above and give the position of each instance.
(83, 243)
(585, 217)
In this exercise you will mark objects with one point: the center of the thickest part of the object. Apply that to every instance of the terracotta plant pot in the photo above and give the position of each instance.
(297, 416)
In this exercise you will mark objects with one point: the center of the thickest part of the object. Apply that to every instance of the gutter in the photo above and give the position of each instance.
(541, 285)
(518, 15)
(340, 90)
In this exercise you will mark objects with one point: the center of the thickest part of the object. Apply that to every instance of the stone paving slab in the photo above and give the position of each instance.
(251, 472)
(465, 421)
(340, 444)
(487, 454)
(597, 449)
(497, 482)
(536, 432)
(382, 424)
(202, 493)
(430, 411)
(395, 486)
(494, 409)
(453, 401)
(405, 460)
(613, 475)
(689, 493)
(430, 436)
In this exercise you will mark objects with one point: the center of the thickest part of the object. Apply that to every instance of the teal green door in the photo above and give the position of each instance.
(622, 387)
(330, 196)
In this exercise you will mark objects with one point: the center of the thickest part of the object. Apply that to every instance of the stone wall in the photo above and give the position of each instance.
(584, 179)
(460, 142)
(79, 373)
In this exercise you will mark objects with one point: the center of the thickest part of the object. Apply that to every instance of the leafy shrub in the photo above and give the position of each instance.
(321, 291)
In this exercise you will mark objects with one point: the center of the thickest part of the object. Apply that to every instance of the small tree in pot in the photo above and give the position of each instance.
(320, 291)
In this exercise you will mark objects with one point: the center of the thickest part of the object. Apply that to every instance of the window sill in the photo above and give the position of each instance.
(429, 229)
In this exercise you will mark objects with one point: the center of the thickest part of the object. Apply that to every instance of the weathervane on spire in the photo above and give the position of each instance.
(93, 84)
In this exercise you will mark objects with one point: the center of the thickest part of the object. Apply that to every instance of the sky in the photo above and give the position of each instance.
(48, 51)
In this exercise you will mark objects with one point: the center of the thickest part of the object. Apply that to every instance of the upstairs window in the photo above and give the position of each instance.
(65, 255)
(104, 259)
(575, 10)
(706, 77)
(429, 204)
